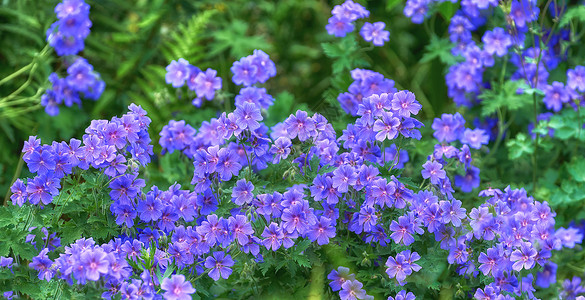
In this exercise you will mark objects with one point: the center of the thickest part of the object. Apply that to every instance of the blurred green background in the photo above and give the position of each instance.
(131, 43)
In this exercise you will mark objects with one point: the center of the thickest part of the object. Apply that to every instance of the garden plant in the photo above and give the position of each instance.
(400, 150)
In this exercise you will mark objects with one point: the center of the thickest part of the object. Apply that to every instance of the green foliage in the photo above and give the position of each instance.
(504, 97)
(576, 13)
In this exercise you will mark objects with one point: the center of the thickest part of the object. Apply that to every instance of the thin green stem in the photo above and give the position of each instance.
(16, 74)
(14, 177)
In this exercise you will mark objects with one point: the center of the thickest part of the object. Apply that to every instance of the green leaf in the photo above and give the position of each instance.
(505, 96)
(439, 48)
(520, 146)
(447, 9)
(577, 170)
(576, 12)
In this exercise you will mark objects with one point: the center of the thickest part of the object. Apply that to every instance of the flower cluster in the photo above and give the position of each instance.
(105, 146)
(253, 69)
(231, 211)
(341, 23)
(67, 35)
(81, 79)
(366, 83)
(349, 288)
(204, 84)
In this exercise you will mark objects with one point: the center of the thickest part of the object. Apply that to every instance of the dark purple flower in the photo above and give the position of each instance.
(469, 181)
(548, 275)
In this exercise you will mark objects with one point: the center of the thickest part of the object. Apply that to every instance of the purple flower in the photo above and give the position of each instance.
(375, 32)
(244, 71)
(95, 262)
(265, 66)
(352, 290)
(475, 138)
(177, 73)
(150, 209)
(469, 181)
(247, 116)
(242, 192)
(576, 78)
(452, 212)
(405, 103)
(434, 171)
(555, 95)
(42, 188)
(344, 177)
(227, 164)
(497, 41)
(241, 228)
(177, 288)
(42, 264)
(339, 26)
(448, 127)
(387, 127)
(273, 236)
(523, 257)
(19, 194)
(322, 231)
(523, 12)
(416, 10)
(572, 288)
(569, 237)
(219, 264)
(339, 277)
(402, 266)
(402, 231)
(300, 125)
(206, 83)
(548, 275)
(281, 149)
(41, 162)
(460, 29)
(402, 295)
